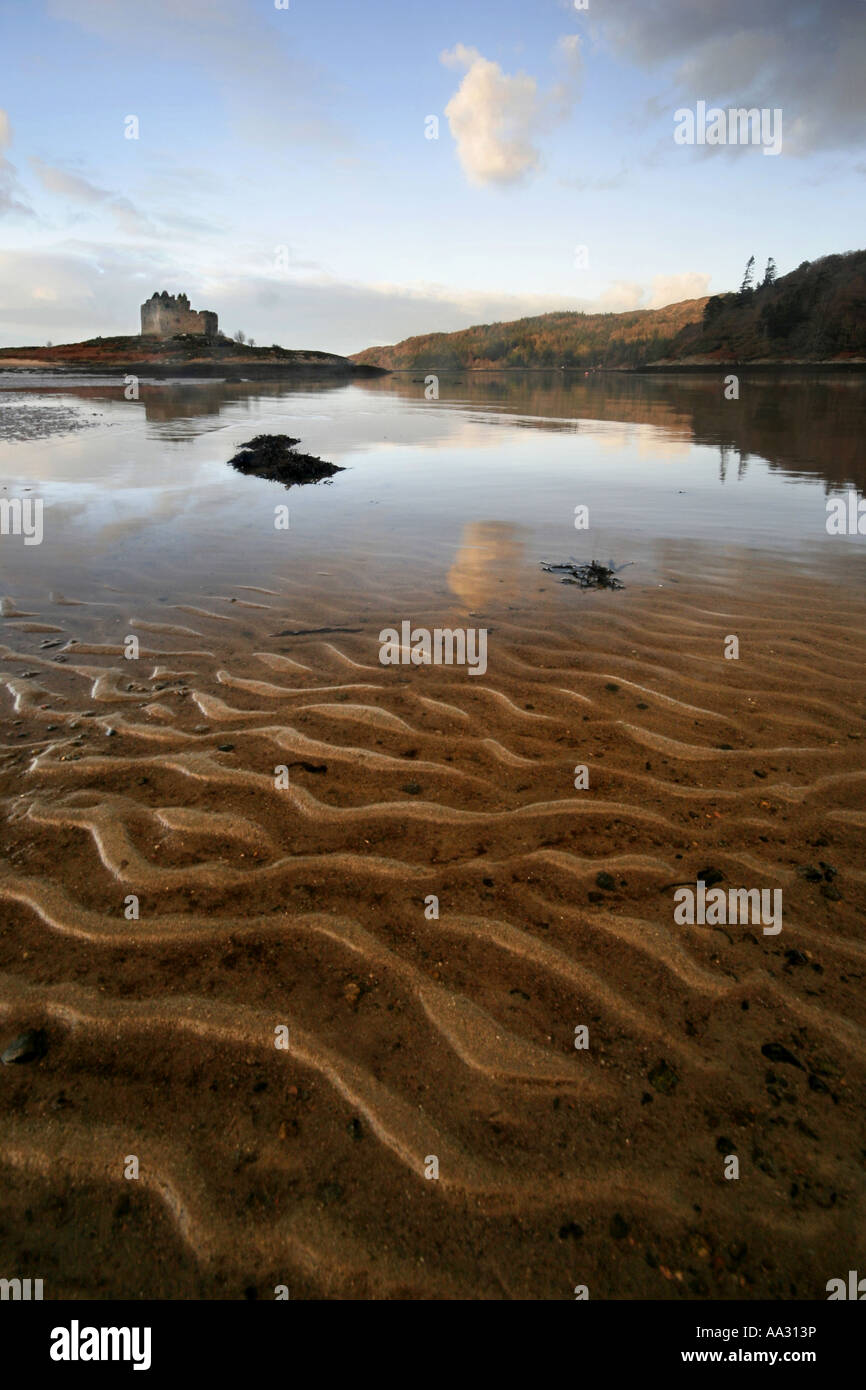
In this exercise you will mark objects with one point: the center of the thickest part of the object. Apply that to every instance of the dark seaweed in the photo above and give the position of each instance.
(587, 576)
(274, 457)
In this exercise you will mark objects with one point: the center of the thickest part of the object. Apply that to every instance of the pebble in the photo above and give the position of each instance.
(663, 1078)
(27, 1047)
(777, 1052)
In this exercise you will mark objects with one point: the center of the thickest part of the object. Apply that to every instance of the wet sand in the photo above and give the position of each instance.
(412, 1037)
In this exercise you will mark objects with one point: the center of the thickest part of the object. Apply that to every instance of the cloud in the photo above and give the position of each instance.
(128, 219)
(671, 289)
(85, 289)
(67, 185)
(496, 119)
(9, 200)
(804, 57)
(270, 95)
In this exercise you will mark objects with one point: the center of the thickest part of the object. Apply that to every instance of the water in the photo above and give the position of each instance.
(141, 499)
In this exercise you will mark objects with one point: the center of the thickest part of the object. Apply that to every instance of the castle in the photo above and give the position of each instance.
(164, 315)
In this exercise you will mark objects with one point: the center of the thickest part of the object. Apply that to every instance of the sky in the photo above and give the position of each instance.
(333, 175)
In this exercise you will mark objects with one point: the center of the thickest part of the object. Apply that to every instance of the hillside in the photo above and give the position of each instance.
(186, 355)
(817, 313)
(566, 339)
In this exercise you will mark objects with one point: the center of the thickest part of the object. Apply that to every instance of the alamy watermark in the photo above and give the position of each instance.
(21, 1289)
(738, 125)
(76, 1343)
(444, 646)
(846, 515)
(22, 516)
(738, 906)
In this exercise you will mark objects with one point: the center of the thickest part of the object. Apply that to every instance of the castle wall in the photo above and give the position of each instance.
(164, 317)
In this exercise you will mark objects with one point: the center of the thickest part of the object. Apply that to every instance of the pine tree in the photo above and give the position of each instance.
(769, 273)
(746, 286)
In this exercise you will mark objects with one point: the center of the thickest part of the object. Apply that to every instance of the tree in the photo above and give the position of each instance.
(769, 274)
(252, 342)
(746, 286)
(241, 337)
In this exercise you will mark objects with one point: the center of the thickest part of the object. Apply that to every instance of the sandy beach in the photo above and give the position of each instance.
(414, 1036)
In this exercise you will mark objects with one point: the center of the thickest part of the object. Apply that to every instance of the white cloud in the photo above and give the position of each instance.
(269, 94)
(670, 289)
(496, 119)
(128, 219)
(9, 200)
(66, 184)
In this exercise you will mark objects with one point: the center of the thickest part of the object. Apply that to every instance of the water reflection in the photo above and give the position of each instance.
(807, 424)
(469, 491)
(487, 563)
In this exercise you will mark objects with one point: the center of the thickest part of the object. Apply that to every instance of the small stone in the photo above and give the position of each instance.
(796, 958)
(27, 1047)
(571, 1228)
(816, 1084)
(810, 873)
(663, 1078)
(226, 747)
(776, 1052)
(606, 882)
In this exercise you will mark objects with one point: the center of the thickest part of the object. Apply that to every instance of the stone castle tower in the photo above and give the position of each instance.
(164, 315)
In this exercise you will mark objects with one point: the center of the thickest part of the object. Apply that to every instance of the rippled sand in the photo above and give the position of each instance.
(413, 1037)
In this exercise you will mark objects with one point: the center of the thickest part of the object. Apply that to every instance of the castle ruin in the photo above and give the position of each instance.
(165, 315)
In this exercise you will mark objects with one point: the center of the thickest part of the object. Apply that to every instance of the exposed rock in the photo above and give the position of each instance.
(273, 456)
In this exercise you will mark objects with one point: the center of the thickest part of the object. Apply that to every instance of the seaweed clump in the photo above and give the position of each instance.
(275, 457)
(587, 576)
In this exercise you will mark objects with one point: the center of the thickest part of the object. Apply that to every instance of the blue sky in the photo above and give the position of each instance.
(304, 129)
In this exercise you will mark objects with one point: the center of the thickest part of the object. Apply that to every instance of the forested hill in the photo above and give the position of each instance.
(817, 313)
(565, 339)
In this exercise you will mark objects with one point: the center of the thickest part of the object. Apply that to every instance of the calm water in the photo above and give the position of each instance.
(142, 501)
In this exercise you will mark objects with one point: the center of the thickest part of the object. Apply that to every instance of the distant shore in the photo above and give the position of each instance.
(182, 356)
(655, 368)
